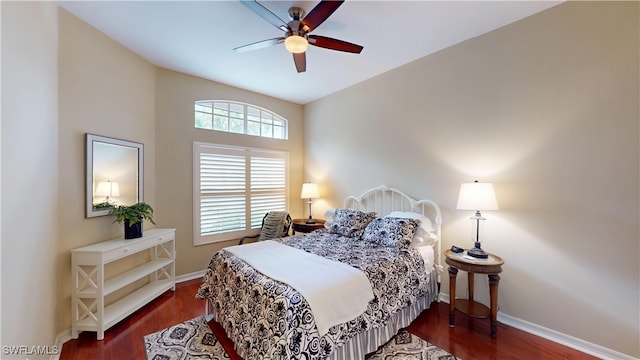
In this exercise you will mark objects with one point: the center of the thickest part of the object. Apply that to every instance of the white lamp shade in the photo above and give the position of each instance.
(296, 44)
(309, 191)
(477, 196)
(107, 188)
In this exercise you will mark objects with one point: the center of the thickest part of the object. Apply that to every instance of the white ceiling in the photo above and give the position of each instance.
(197, 38)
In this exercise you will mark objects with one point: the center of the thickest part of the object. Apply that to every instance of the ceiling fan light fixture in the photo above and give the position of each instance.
(296, 44)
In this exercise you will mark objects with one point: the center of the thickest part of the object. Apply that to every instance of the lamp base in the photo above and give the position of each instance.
(310, 219)
(477, 252)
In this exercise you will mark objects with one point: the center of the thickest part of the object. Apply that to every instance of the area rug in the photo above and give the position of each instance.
(405, 346)
(191, 339)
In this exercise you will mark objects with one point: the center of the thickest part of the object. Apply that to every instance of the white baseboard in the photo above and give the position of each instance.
(443, 297)
(62, 338)
(556, 336)
(191, 276)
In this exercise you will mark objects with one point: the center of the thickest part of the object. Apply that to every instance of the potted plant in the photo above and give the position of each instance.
(132, 217)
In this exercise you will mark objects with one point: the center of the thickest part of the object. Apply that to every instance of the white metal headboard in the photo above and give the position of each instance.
(384, 199)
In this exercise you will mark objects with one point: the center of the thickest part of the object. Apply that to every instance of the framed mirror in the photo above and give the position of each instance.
(114, 174)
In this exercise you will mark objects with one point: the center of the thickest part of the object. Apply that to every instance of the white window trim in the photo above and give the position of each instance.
(245, 119)
(198, 239)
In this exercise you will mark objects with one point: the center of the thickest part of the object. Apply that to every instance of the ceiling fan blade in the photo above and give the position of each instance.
(334, 44)
(259, 44)
(300, 59)
(266, 14)
(320, 13)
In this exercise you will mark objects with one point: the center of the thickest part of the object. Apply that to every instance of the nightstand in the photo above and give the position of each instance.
(301, 225)
(491, 267)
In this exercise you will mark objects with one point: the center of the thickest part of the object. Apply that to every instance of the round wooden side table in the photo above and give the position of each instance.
(301, 225)
(491, 267)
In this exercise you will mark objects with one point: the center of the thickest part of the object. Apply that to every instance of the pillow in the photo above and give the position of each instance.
(329, 216)
(275, 224)
(426, 234)
(350, 222)
(391, 231)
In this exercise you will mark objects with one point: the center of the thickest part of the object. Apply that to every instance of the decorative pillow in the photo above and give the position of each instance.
(275, 224)
(426, 234)
(350, 222)
(329, 216)
(390, 231)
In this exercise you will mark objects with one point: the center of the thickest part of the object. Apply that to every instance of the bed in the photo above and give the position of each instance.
(267, 318)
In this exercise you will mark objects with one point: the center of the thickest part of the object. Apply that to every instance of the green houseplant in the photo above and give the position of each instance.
(132, 217)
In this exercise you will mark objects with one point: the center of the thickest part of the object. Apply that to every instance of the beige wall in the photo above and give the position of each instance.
(547, 110)
(107, 90)
(29, 173)
(104, 89)
(175, 96)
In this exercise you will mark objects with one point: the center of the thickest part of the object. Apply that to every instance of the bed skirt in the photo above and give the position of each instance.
(370, 340)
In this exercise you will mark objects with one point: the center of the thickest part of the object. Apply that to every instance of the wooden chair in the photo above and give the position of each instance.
(275, 224)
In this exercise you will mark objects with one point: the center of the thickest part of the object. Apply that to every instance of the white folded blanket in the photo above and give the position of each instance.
(336, 292)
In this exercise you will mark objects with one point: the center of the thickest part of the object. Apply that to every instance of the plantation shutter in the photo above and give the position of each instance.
(268, 187)
(222, 189)
(234, 188)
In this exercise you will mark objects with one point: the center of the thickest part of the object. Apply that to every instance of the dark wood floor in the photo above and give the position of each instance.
(468, 340)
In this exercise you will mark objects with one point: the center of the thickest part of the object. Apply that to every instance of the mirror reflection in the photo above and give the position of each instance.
(114, 173)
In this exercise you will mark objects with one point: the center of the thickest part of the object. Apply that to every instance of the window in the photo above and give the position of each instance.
(239, 118)
(234, 188)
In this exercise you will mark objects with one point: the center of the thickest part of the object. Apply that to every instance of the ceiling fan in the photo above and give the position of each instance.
(297, 37)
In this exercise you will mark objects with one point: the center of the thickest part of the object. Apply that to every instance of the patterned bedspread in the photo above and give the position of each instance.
(267, 319)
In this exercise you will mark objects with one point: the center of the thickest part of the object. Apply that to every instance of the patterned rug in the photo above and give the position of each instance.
(405, 346)
(193, 339)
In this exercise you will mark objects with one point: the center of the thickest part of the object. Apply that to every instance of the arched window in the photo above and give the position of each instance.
(239, 118)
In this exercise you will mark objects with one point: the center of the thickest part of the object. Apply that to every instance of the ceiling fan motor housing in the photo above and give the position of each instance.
(295, 25)
(296, 13)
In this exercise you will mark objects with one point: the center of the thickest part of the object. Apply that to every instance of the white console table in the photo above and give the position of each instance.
(89, 311)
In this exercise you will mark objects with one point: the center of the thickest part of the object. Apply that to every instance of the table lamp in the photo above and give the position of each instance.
(309, 191)
(108, 189)
(477, 196)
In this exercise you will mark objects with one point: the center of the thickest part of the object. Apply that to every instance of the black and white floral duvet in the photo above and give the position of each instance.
(267, 319)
